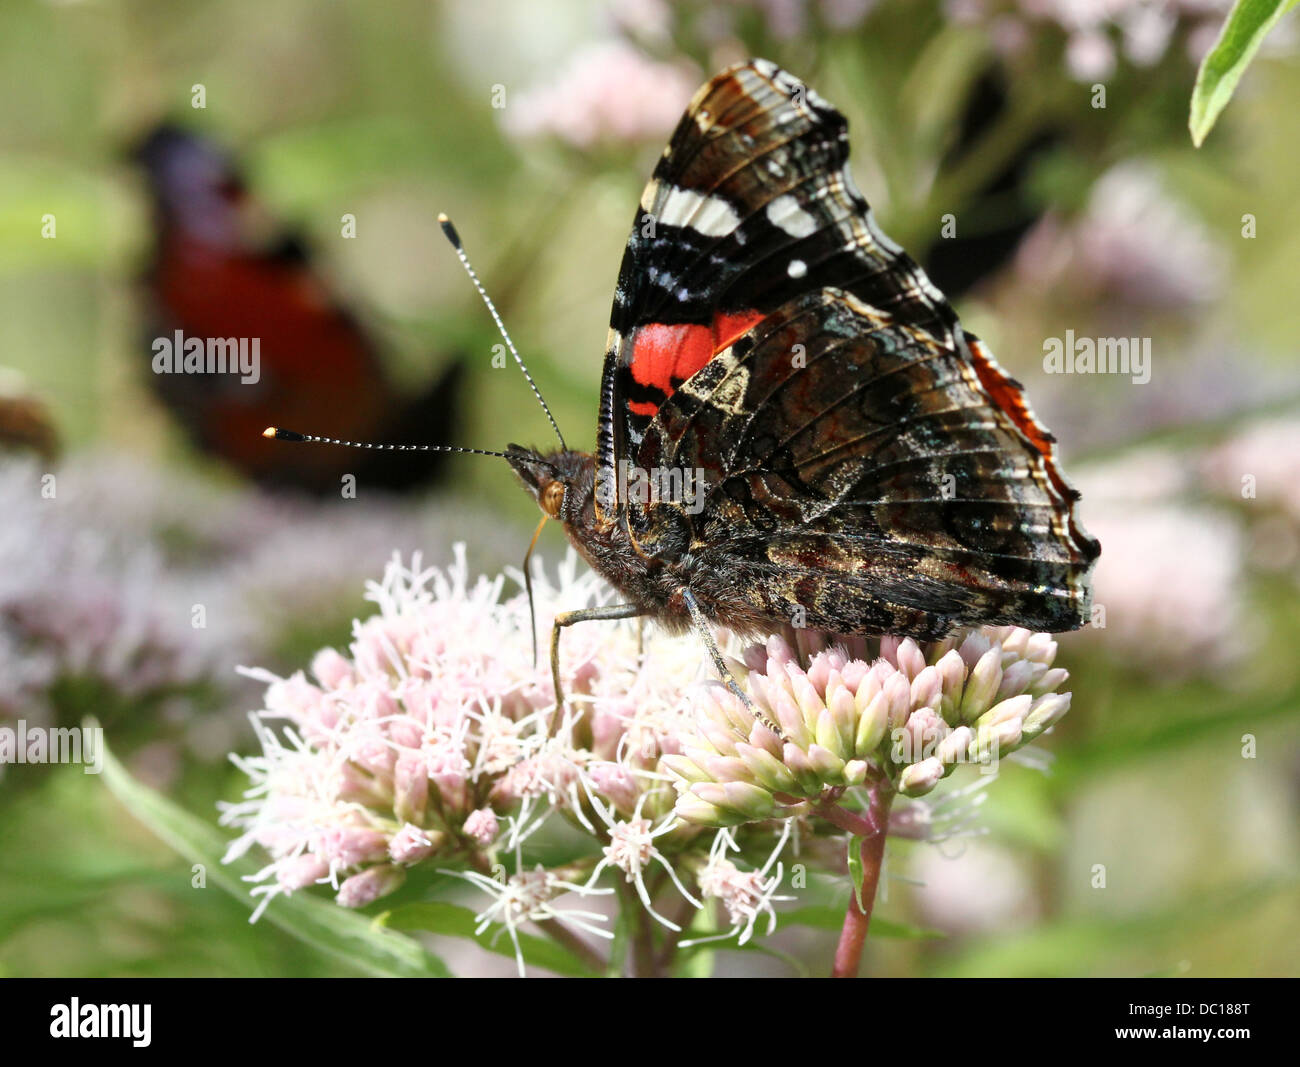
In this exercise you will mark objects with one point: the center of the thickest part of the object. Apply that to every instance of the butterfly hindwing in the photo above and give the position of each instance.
(870, 479)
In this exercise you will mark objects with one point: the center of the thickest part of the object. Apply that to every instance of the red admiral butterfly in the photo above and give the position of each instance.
(857, 462)
(221, 269)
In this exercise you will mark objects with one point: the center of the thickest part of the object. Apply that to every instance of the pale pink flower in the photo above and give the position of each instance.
(529, 896)
(1135, 242)
(437, 722)
(1167, 590)
(482, 826)
(889, 711)
(746, 896)
(1259, 464)
(608, 93)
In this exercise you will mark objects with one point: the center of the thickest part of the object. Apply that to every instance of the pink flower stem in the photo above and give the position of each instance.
(872, 829)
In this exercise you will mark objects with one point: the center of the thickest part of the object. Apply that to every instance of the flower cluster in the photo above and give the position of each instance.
(131, 593)
(439, 728)
(436, 740)
(888, 712)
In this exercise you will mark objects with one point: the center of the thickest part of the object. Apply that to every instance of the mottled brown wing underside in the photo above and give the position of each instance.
(860, 470)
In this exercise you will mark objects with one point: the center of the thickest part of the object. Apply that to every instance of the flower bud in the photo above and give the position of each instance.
(331, 669)
(767, 769)
(614, 781)
(410, 787)
(742, 798)
(1017, 678)
(684, 767)
(368, 886)
(1046, 711)
(691, 808)
(872, 721)
(898, 696)
(828, 735)
(952, 675)
(411, 844)
(953, 748)
(301, 871)
(982, 684)
(918, 779)
(827, 765)
(351, 846)
(482, 826)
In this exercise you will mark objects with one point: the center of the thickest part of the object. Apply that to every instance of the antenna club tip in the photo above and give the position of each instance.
(281, 434)
(449, 230)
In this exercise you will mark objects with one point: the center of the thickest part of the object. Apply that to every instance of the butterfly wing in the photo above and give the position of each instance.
(861, 478)
(222, 268)
(750, 206)
(867, 460)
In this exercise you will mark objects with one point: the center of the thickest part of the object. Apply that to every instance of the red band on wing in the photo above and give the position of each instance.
(1007, 395)
(665, 355)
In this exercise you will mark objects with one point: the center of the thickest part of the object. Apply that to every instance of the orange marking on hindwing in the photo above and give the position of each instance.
(665, 355)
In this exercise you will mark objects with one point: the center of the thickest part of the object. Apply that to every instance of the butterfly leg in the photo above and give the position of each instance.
(604, 612)
(702, 628)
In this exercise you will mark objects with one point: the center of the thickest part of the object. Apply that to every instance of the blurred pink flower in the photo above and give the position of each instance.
(149, 586)
(609, 93)
(975, 889)
(1097, 32)
(1168, 587)
(1258, 469)
(1260, 462)
(1135, 242)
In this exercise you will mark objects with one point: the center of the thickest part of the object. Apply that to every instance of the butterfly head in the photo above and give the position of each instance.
(560, 482)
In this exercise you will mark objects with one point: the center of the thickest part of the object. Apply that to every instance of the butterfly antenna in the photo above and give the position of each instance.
(281, 434)
(454, 238)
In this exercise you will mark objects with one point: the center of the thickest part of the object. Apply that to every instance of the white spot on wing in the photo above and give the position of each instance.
(709, 215)
(786, 214)
(797, 268)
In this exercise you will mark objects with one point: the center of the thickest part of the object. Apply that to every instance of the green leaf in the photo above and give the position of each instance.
(1244, 30)
(338, 932)
(454, 920)
(826, 917)
(855, 869)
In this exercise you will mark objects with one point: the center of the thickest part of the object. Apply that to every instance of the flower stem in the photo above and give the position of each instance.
(562, 935)
(853, 935)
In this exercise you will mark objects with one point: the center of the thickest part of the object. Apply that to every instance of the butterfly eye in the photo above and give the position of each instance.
(552, 498)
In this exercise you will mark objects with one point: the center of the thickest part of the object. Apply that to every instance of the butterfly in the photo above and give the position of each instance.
(794, 427)
(221, 267)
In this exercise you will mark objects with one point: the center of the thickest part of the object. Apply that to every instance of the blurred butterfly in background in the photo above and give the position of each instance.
(221, 268)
